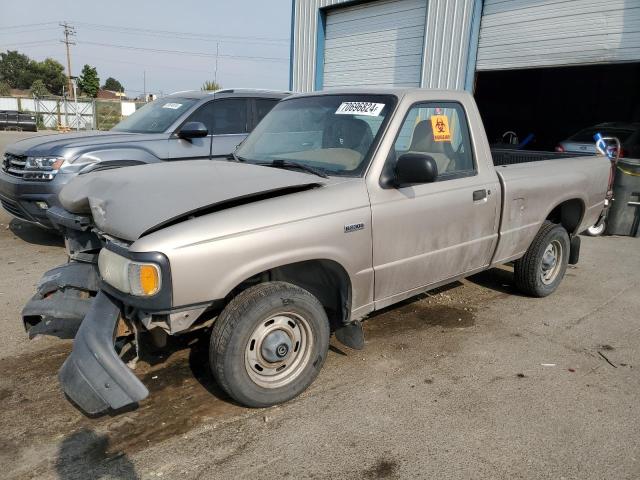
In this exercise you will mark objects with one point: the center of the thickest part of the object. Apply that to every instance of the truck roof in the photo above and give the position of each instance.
(419, 93)
(231, 92)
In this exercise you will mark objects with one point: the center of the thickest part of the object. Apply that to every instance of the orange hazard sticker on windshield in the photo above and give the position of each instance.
(440, 127)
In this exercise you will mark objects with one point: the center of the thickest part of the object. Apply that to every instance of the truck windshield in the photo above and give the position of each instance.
(155, 117)
(331, 133)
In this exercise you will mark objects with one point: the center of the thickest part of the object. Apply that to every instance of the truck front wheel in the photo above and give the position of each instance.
(539, 272)
(269, 344)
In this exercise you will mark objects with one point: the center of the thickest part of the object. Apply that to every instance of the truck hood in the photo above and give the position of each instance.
(128, 202)
(61, 143)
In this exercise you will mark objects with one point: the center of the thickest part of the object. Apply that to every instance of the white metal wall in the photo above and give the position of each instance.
(536, 33)
(377, 44)
(445, 47)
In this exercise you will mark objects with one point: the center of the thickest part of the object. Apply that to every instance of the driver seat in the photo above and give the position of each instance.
(348, 132)
(422, 142)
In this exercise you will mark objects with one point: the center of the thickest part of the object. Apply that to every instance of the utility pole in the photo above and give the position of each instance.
(69, 31)
(144, 85)
(215, 73)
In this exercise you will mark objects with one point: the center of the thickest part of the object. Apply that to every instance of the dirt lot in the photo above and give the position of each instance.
(450, 385)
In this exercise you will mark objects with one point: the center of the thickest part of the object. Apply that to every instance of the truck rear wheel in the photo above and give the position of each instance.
(539, 272)
(269, 344)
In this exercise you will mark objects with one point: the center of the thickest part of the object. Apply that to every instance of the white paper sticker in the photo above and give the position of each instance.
(172, 106)
(369, 109)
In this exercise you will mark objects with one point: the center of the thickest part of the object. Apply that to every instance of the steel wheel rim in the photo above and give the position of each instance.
(551, 262)
(278, 350)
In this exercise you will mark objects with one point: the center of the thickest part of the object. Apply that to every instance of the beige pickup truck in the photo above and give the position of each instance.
(338, 204)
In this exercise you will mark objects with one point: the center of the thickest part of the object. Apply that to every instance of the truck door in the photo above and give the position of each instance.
(427, 233)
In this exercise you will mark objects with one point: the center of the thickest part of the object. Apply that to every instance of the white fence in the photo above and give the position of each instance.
(56, 112)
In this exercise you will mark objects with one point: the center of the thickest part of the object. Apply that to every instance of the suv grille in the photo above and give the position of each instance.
(14, 164)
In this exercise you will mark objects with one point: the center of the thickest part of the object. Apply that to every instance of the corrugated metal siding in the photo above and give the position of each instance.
(535, 33)
(445, 48)
(304, 37)
(376, 44)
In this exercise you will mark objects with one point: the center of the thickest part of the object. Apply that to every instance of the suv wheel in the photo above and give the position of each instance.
(539, 272)
(269, 344)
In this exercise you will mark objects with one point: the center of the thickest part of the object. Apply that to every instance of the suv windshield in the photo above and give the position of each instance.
(155, 117)
(331, 133)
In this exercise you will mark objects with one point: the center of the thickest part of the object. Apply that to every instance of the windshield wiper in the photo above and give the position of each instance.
(235, 158)
(288, 164)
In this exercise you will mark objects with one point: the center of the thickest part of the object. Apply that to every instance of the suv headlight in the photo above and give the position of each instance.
(42, 168)
(136, 278)
(44, 163)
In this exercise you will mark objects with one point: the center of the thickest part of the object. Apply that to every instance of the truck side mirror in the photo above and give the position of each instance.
(193, 130)
(414, 168)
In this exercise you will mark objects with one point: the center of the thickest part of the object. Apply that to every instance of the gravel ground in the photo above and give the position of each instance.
(470, 381)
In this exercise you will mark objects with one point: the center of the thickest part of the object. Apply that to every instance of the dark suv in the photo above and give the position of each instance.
(179, 126)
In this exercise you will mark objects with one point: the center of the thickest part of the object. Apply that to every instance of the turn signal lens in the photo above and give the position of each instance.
(144, 279)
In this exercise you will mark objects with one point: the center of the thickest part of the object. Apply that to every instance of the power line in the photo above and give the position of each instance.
(28, 31)
(184, 35)
(184, 52)
(28, 25)
(34, 42)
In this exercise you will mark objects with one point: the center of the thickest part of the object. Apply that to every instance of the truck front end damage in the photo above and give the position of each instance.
(94, 376)
(64, 294)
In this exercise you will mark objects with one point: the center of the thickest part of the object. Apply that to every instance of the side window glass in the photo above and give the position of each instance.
(205, 115)
(230, 116)
(441, 131)
(264, 106)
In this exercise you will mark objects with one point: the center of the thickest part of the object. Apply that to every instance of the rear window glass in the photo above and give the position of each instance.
(586, 135)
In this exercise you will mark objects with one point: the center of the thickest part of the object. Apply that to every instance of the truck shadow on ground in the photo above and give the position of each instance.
(35, 235)
(83, 454)
(497, 279)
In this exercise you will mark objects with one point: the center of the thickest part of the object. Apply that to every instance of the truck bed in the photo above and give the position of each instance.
(532, 186)
(504, 156)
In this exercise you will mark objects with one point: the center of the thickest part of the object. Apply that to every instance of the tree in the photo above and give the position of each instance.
(89, 82)
(5, 88)
(16, 69)
(51, 73)
(210, 85)
(38, 88)
(113, 85)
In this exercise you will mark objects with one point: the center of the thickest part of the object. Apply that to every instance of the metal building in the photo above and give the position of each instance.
(441, 43)
(580, 56)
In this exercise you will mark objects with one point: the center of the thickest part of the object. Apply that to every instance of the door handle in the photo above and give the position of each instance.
(479, 195)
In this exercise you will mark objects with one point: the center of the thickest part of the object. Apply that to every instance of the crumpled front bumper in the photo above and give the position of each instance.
(63, 297)
(93, 376)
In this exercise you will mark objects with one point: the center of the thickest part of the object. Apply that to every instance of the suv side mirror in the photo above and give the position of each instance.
(193, 130)
(415, 168)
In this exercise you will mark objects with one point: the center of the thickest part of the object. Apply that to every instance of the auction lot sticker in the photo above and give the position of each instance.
(440, 127)
(360, 108)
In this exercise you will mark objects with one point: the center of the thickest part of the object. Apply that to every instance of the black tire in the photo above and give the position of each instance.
(235, 329)
(531, 275)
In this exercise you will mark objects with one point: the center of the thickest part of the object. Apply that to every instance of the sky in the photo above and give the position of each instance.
(131, 40)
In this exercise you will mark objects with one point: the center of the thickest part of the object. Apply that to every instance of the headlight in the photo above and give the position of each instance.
(44, 163)
(42, 168)
(136, 278)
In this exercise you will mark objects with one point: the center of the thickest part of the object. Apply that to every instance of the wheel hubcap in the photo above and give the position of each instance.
(278, 350)
(551, 262)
